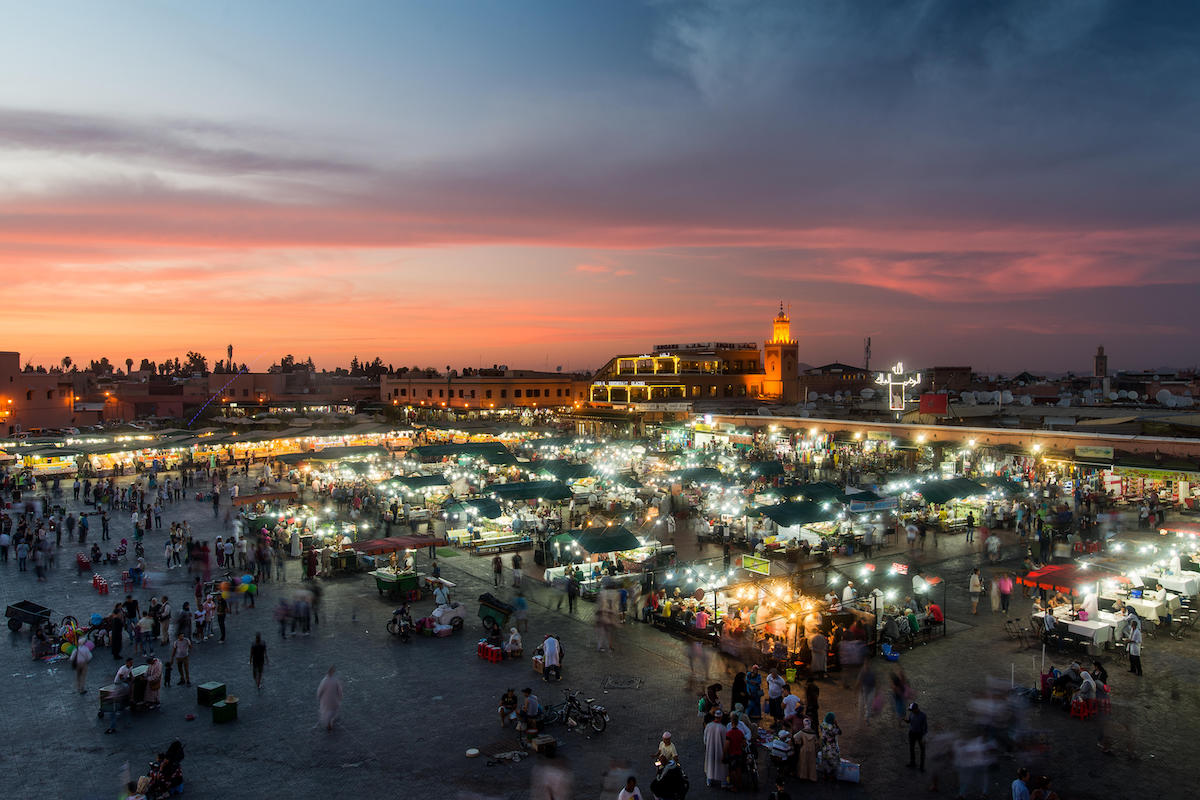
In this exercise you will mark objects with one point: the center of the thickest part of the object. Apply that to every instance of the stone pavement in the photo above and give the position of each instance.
(412, 710)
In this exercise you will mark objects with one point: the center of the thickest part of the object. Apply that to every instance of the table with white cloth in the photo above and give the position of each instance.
(1185, 583)
(1148, 607)
(1099, 631)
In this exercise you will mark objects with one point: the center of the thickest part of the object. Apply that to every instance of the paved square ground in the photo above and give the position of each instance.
(412, 710)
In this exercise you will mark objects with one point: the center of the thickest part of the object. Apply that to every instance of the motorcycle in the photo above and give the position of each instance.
(670, 782)
(574, 711)
(401, 624)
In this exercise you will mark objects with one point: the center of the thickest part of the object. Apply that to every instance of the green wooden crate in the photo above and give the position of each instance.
(225, 711)
(209, 693)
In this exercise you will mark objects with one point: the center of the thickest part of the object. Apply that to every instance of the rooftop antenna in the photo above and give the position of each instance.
(867, 354)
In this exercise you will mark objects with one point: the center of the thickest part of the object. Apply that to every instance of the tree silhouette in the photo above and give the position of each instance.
(196, 363)
(66, 363)
(128, 365)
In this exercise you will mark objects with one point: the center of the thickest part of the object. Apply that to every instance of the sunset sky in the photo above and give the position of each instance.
(465, 182)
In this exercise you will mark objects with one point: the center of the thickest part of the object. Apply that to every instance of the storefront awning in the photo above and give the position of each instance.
(334, 454)
(765, 469)
(491, 452)
(414, 482)
(530, 490)
(938, 492)
(479, 507)
(563, 470)
(1005, 485)
(609, 539)
(695, 475)
(788, 515)
(1072, 579)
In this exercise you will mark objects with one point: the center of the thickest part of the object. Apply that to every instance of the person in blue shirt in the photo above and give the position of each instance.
(1020, 786)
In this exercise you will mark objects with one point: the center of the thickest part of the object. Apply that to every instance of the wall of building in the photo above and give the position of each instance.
(511, 389)
(31, 400)
(1032, 441)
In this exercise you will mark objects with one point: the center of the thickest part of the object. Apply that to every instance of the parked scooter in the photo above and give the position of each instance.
(670, 782)
(401, 624)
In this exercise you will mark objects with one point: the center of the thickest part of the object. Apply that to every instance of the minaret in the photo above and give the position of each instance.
(781, 356)
(1100, 372)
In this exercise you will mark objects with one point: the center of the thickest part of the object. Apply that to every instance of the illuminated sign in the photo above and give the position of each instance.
(759, 566)
(897, 382)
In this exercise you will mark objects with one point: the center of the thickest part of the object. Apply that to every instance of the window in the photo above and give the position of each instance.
(460, 393)
(404, 392)
(695, 391)
(472, 394)
(488, 394)
(535, 393)
(712, 390)
(429, 392)
(504, 393)
(441, 392)
(29, 394)
(559, 393)
(516, 392)
(245, 392)
(50, 394)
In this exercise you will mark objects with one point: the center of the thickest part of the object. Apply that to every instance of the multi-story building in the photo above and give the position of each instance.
(33, 400)
(830, 379)
(685, 373)
(485, 389)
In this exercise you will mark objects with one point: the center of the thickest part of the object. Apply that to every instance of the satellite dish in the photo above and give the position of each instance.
(1165, 397)
(866, 394)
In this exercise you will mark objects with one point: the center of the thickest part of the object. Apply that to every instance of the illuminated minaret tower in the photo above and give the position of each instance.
(781, 353)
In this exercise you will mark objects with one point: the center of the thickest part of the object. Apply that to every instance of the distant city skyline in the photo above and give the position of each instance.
(1003, 185)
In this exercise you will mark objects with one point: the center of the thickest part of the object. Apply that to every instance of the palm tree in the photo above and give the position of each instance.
(66, 363)
(128, 365)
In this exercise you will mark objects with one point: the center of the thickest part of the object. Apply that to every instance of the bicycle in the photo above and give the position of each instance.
(574, 711)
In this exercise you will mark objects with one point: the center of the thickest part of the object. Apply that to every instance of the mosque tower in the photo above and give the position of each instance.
(781, 357)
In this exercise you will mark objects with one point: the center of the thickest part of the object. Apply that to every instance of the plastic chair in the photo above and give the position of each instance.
(1079, 709)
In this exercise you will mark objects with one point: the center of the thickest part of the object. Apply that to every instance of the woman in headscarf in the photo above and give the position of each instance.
(740, 694)
(329, 699)
(830, 754)
(154, 674)
(1087, 687)
(714, 750)
(805, 743)
(513, 648)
